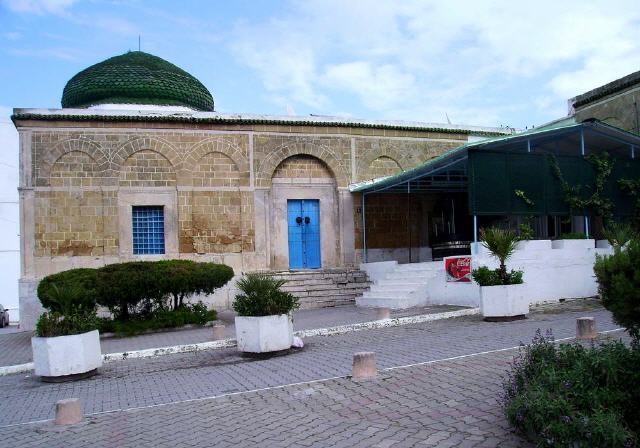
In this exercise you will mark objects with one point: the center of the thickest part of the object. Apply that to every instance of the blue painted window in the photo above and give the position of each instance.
(148, 230)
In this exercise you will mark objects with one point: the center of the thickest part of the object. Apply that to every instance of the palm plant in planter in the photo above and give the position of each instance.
(264, 322)
(67, 342)
(501, 292)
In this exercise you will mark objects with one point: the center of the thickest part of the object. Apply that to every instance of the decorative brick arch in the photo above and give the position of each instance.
(151, 143)
(82, 144)
(403, 160)
(270, 163)
(215, 144)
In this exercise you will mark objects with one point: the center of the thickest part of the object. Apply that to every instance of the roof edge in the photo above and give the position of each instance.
(228, 118)
(610, 88)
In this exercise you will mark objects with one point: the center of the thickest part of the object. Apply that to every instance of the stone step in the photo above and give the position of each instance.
(395, 303)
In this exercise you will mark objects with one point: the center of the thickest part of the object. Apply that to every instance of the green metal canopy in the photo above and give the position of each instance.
(492, 170)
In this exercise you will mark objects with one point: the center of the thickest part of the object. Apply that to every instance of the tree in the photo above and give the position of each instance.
(502, 244)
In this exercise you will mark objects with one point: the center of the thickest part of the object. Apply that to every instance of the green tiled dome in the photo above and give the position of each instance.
(136, 78)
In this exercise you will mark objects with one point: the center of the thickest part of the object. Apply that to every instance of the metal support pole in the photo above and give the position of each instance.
(586, 226)
(633, 152)
(582, 141)
(528, 145)
(475, 228)
(409, 216)
(364, 229)
(475, 234)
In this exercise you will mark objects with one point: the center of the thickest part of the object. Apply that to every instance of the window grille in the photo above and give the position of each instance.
(148, 230)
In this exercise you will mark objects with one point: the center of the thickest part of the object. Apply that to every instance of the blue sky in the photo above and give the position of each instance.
(478, 62)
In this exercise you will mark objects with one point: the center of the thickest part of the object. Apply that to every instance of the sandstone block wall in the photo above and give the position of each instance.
(79, 173)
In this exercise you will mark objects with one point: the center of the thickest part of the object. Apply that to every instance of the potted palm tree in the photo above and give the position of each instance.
(502, 295)
(264, 322)
(67, 342)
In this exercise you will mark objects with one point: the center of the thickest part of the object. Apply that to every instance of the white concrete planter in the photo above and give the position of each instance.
(62, 356)
(262, 334)
(503, 302)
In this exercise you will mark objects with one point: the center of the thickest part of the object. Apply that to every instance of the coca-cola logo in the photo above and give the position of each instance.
(458, 269)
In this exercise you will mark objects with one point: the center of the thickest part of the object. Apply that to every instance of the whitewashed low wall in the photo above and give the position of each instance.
(553, 270)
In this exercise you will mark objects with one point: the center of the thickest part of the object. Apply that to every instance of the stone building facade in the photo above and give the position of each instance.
(616, 103)
(221, 183)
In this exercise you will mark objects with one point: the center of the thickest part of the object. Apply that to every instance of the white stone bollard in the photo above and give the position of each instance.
(586, 328)
(364, 366)
(383, 313)
(219, 332)
(68, 412)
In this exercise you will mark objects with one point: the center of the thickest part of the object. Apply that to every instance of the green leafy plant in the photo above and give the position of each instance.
(502, 244)
(618, 278)
(187, 314)
(526, 231)
(619, 234)
(571, 396)
(53, 323)
(261, 296)
(484, 276)
(75, 288)
(589, 197)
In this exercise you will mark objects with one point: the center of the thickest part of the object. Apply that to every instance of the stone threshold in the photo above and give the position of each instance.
(229, 343)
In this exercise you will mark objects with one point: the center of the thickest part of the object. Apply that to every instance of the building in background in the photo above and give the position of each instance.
(138, 166)
(616, 103)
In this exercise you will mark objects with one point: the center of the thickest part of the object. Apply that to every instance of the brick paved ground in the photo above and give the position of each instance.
(165, 380)
(16, 347)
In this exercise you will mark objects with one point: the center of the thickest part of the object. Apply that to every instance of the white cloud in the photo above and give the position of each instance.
(57, 7)
(423, 58)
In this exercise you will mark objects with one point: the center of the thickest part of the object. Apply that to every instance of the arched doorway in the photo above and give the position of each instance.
(304, 214)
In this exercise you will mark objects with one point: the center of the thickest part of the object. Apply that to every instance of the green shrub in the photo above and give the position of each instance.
(573, 236)
(261, 296)
(75, 288)
(128, 288)
(52, 323)
(619, 285)
(571, 396)
(526, 231)
(619, 234)
(182, 278)
(484, 276)
(196, 314)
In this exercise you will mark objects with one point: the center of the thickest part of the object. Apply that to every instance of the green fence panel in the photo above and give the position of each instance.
(494, 177)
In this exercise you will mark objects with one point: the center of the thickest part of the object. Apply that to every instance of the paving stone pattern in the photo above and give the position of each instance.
(153, 381)
(448, 404)
(16, 347)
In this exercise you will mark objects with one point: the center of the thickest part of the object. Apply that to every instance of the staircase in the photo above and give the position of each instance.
(320, 288)
(404, 287)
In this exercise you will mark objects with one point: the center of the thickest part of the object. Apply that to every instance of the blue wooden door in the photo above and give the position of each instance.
(303, 220)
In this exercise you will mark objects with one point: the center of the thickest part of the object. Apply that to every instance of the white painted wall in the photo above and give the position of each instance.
(552, 271)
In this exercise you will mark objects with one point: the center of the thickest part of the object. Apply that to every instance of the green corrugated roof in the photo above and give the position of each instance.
(136, 78)
(433, 164)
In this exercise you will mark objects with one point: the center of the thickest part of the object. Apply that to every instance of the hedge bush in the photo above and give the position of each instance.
(261, 296)
(138, 288)
(619, 285)
(196, 314)
(571, 396)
